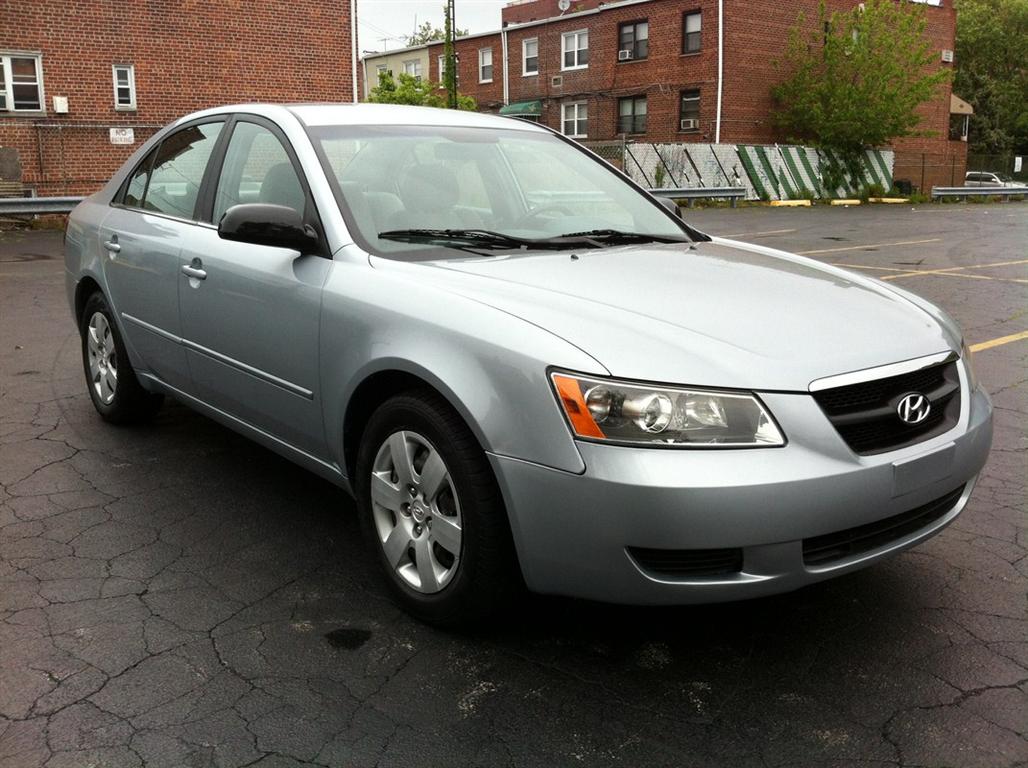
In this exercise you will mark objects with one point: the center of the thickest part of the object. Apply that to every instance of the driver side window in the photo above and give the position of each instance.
(257, 169)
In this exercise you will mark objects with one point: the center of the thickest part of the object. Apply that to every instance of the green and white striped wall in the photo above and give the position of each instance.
(770, 172)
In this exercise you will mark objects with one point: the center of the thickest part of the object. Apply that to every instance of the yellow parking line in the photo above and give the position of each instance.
(1001, 340)
(755, 234)
(998, 264)
(868, 266)
(870, 245)
(944, 273)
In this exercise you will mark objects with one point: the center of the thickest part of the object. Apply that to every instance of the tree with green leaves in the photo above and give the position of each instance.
(407, 89)
(427, 33)
(992, 73)
(857, 77)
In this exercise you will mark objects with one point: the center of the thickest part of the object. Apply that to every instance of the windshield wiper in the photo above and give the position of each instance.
(608, 236)
(478, 238)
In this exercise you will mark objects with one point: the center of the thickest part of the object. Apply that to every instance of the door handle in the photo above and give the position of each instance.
(112, 244)
(195, 270)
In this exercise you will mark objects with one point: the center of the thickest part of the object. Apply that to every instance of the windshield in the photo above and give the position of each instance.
(514, 184)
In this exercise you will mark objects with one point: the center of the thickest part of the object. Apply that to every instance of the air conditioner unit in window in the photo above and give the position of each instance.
(947, 56)
(557, 81)
(625, 55)
(690, 124)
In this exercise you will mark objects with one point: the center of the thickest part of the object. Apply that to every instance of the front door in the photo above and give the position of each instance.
(142, 241)
(250, 319)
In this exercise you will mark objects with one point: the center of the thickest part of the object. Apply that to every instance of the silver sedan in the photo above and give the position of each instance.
(524, 368)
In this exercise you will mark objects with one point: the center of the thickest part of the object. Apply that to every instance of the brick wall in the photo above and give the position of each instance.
(519, 12)
(187, 55)
(756, 33)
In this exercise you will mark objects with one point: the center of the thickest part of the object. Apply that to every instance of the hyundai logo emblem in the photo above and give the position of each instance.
(914, 408)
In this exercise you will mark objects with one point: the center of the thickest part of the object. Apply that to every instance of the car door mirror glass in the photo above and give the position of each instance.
(277, 226)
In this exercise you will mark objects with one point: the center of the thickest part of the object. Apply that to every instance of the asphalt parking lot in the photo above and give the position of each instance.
(174, 595)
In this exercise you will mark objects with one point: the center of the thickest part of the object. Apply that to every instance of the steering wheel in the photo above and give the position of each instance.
(535, 212)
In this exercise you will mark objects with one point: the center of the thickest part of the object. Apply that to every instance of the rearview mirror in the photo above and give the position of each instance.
(671, 205)
(277, 226)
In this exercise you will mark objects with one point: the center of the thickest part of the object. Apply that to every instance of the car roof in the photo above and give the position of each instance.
(372, 114)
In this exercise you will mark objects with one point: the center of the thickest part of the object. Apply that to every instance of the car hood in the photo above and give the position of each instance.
(720, 313)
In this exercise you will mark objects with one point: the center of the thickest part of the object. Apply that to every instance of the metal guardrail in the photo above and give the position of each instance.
(37, 205)
(965, 192)
(701, 193)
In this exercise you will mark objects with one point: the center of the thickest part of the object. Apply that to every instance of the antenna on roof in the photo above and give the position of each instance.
(563, 5)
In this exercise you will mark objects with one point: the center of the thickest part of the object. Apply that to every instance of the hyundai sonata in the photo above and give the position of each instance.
(523, 366)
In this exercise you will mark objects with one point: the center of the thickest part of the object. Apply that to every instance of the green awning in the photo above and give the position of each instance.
(523, 109)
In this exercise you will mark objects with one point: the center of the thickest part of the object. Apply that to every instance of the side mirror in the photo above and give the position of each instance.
(263, 224)
(671, 205)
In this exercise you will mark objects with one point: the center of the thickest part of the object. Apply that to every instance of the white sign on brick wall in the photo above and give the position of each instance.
(123, 136)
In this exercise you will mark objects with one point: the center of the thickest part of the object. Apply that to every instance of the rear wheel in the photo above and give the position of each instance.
(113, 387)
(432, 511)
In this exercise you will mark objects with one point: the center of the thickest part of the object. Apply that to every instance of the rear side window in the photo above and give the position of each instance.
(178, 170)
(136, 187)
(257, 169)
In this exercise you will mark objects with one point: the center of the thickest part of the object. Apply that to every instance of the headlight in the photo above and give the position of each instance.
(972, 377)
(620, 412)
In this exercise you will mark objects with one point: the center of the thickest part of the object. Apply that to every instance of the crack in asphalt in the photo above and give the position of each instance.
(165, 593)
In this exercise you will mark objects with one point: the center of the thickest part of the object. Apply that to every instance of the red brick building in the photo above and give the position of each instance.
(84, 82)
(648, 70)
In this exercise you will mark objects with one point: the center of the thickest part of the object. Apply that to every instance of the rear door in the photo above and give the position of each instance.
(142, 238)
(250, 324)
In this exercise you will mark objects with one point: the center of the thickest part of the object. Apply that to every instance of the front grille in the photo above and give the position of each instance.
(688, 563)
(865, 414)
(864, 538)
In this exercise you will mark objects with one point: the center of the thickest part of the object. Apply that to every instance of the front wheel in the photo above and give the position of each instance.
(113, 387)
(432, 511)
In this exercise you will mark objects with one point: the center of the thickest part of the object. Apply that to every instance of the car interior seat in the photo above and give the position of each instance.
(429, 193)
(282, 187)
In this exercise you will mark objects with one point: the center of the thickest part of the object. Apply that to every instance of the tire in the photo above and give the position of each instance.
(116, 393)
(414, 535)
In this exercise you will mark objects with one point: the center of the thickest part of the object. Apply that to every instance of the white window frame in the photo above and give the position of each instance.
(565, 48)
(482, 64)
(442, 68)
(525, 57)
(412, 67)
(131, 68)
(577, 118)
(8, 90)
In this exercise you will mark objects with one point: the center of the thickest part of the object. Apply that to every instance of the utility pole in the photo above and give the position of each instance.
(450, 55)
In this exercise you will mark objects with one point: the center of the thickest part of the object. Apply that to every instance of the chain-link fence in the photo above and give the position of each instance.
(1002, 164)
(612, 151)
(920, 171)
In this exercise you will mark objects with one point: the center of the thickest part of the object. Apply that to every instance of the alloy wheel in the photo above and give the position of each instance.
(416, 512)
(103, 358)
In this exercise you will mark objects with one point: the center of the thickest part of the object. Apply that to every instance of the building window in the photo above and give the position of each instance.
(574, 47)
(574, 118)
(124, 86)
(442, 69)
(632, 115)
(692, 32)
(689, 113)
(412, 67)
(485, 65)
(530, 57)
(21, 83)
(633, 41)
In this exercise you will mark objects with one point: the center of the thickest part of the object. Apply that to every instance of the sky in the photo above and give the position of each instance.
(395, 19)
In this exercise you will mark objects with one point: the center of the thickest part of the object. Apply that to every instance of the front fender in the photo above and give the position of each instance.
(491, 366)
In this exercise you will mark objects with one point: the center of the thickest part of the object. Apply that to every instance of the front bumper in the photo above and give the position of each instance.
(573, 531)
